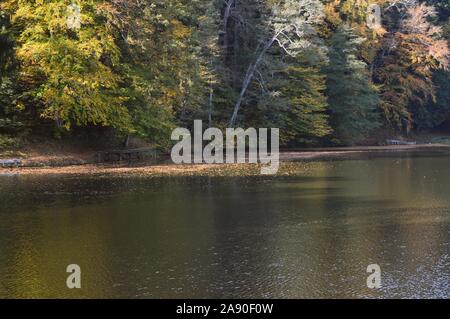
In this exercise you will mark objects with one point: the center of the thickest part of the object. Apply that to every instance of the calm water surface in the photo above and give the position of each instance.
(301, 235)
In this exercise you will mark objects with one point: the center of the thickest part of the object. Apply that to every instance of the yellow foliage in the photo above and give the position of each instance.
(180, 31)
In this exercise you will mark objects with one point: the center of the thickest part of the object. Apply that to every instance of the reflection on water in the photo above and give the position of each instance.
(294, 236)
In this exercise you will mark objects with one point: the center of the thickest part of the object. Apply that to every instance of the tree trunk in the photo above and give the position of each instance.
(249, 77)
(127, 141)
(226, 17)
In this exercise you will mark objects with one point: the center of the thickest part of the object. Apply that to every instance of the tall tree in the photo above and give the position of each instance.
(353, 99)
(302, 112)
(166, 61)
(69, 71)
(10, 119)
(412, 51)
(292, 27)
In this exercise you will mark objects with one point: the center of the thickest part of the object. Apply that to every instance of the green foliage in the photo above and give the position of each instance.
(10, 122)
(9, 143)
(437, 111)
(144, 67)
(70, 71)
(161, 64)
(299, 94)
(353, 99)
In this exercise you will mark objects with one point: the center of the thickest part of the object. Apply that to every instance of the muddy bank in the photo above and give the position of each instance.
(77, 165)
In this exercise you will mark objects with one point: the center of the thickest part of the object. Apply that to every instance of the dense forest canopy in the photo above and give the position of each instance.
(333, 72)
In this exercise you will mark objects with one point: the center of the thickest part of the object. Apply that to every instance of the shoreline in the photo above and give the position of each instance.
(169, 169)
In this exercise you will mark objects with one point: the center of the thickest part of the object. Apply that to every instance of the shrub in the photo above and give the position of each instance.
(8, 143)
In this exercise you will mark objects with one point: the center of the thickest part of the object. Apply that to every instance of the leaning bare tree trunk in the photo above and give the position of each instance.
(249, 77)
(226, 17)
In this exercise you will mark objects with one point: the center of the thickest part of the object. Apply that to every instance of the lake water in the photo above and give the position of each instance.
(309, 233)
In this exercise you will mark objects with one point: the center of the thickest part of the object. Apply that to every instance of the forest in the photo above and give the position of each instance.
(325, 72)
